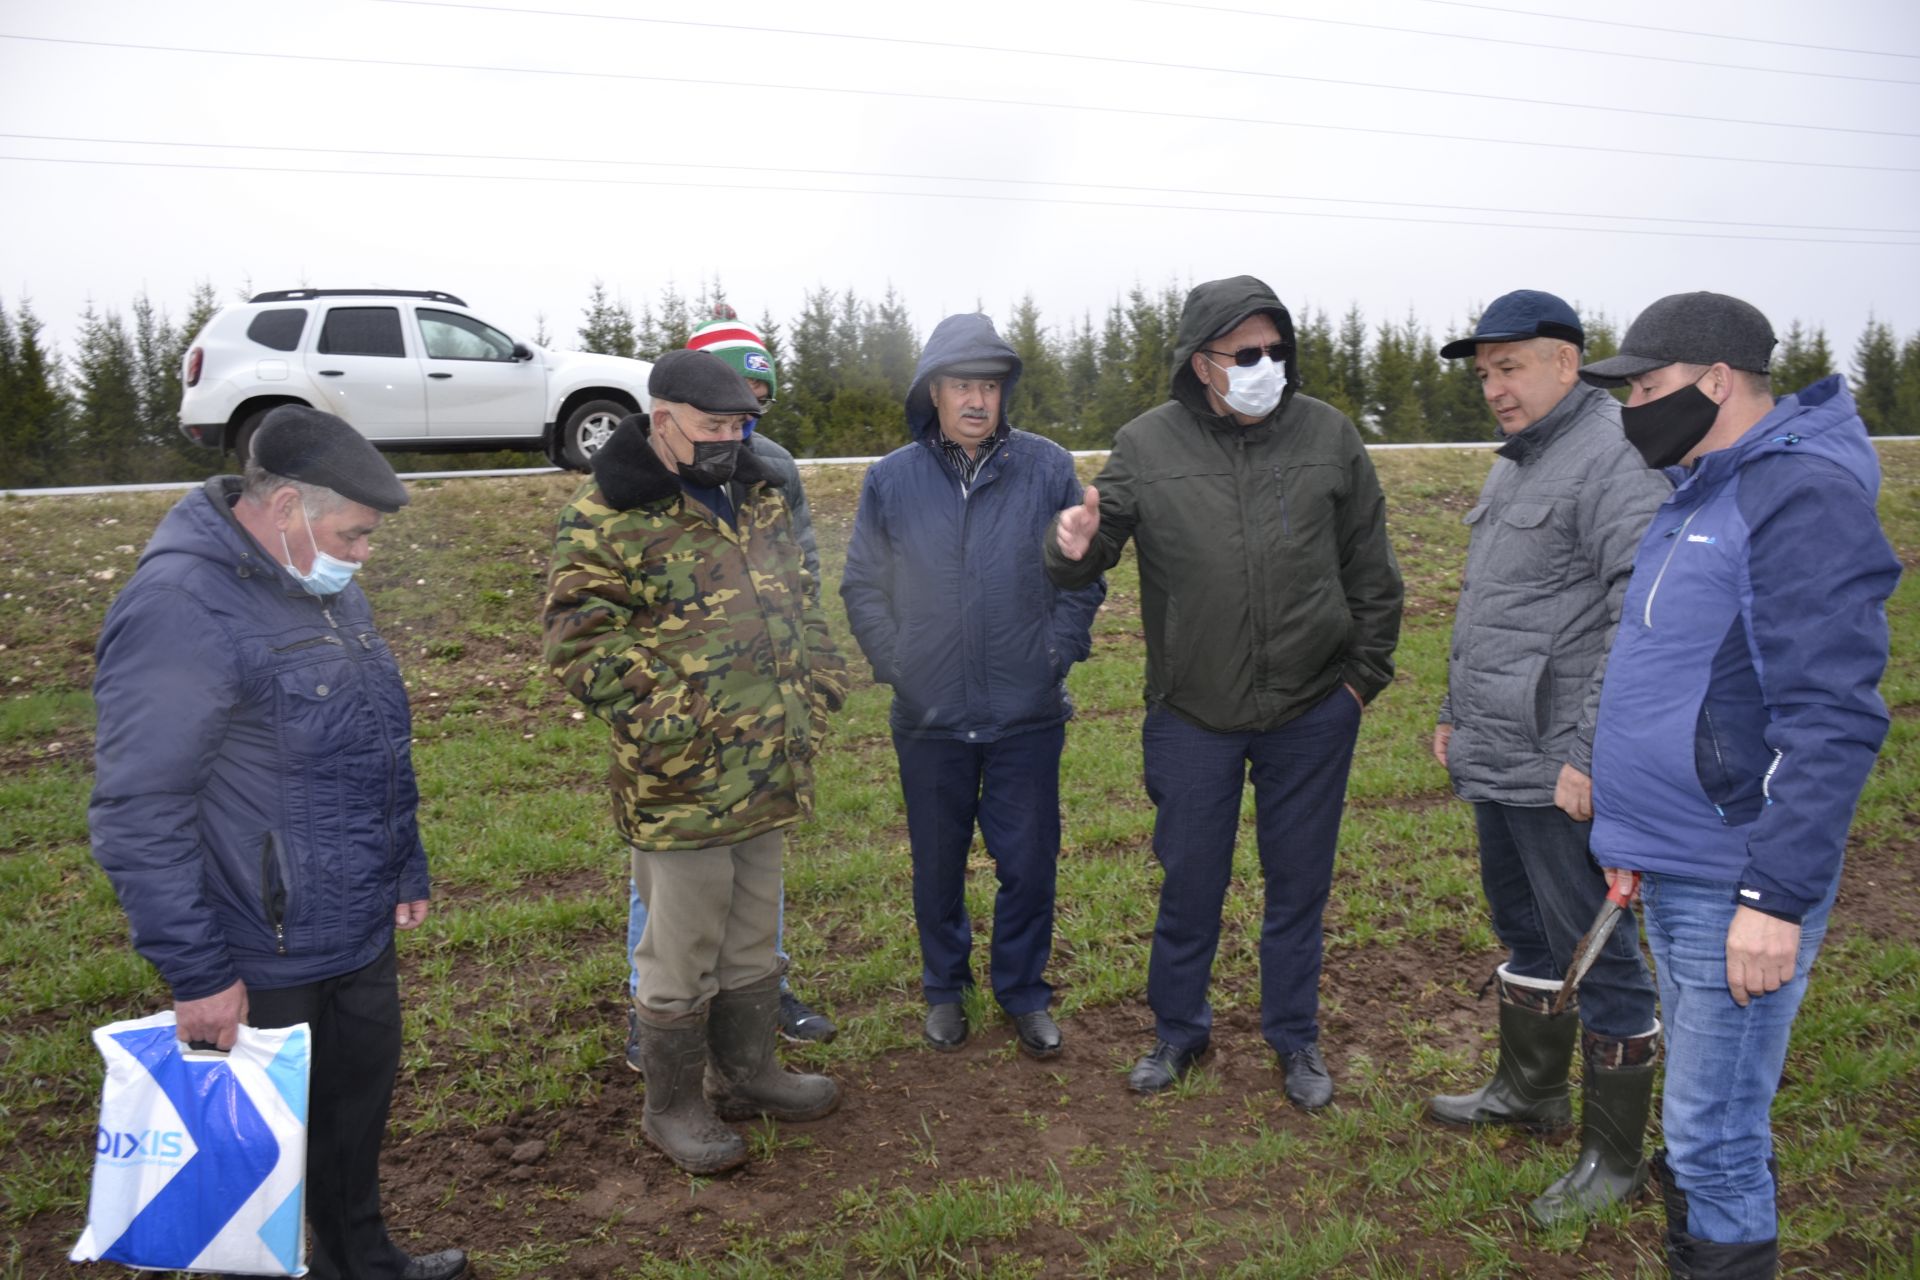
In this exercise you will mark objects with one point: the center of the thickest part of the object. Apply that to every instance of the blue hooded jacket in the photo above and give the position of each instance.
(254, 798)
(1740, 715)
(944, 586)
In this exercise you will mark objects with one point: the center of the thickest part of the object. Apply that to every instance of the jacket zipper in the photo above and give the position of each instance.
(1766, 779)
(308, 643)
(1654, 590)
(273, 893)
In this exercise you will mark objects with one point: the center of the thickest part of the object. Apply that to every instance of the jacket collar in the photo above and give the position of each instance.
(630, 474)
(1532, 441)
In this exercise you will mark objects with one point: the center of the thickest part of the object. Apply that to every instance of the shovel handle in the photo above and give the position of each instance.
(1621, 894)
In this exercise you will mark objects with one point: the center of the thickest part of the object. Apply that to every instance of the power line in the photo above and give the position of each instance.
(963, 99)
(1003, 50)
(895, 175)
(1670, 31)
(1527, 44)
(951, 195)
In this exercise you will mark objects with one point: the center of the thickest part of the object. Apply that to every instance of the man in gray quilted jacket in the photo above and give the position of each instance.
(1552, 543)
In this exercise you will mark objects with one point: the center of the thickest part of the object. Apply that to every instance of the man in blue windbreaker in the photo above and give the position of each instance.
(947, 596)
(254, 800)
(1738, 723)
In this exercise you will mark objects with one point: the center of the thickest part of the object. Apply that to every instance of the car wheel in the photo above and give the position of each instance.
(243, 438)
(586, 429)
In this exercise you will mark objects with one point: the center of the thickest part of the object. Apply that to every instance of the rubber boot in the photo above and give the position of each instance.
(1529, 1085)
(744, 1079)
(1618, 1098)
(1691, 1258)
(677, 1119)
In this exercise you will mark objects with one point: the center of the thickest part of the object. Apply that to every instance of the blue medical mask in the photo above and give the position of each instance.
(329, 575)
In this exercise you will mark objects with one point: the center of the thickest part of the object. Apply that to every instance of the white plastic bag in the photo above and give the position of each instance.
(200, 1158)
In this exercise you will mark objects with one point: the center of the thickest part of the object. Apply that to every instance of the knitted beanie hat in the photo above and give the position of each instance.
(738, 344)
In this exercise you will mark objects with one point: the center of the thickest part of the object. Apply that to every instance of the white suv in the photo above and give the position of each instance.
(409, 369)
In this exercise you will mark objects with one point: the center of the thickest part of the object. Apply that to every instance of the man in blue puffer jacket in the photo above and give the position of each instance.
(1737, 726)
(947, 596)
(254, 798)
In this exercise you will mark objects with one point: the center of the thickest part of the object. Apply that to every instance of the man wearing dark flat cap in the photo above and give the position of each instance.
(679, 611)
(1739, 721)
(254, 799)
(947, 596)
(1552, 543)
(1270, 599)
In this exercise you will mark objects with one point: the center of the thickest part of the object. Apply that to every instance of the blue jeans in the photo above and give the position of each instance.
(1195, 778)
(637, 925)
(1544, 889)
(1011, 788)
(1723, 1061)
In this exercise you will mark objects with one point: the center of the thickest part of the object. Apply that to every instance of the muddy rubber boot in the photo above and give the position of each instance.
(1529, 1085)
(1618, 1098)
(1691, 1258)
(744, 1079)
(677, 1119)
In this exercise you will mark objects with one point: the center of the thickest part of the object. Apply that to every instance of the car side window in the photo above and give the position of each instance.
(449, 335)
(362, 331)
(278, 330)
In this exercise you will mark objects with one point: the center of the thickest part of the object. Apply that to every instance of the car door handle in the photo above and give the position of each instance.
(439, 375)
(332, 373)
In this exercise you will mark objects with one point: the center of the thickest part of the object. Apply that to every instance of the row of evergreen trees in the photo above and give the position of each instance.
(107, 412)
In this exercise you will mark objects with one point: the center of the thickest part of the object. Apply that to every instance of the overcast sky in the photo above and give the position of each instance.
(1354, 152)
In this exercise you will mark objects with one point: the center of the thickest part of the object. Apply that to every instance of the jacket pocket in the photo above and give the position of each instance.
(1529, 548)
(1732, 778)
(275, 893)
(316, 709)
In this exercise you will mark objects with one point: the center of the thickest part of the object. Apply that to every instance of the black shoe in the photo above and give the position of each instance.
(444, 1265)
(1038, 1033)
(633, 1041)
(1308, 1084)
(798, 1023)
(946, 1026)
(1163, 1066)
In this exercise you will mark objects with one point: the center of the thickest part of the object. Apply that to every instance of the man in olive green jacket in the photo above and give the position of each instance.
(1271, 604)
(681, 616)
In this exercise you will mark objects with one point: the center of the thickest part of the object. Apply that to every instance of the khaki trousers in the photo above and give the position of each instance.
(712, 918)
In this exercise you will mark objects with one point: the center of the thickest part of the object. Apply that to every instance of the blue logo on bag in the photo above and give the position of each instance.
(153, 1146)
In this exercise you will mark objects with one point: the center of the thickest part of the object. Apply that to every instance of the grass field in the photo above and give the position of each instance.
(516, 1123)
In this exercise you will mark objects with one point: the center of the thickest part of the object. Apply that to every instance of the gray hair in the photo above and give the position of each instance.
(259, 484)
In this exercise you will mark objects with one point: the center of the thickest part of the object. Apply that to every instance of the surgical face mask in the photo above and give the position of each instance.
(1255, 389)
(1667, 429)
(329, 575)
(713, 460)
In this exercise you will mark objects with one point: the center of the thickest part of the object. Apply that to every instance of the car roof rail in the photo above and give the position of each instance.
(301, 295)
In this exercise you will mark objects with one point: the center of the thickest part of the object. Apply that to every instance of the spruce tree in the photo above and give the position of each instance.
(1802, 360)
(106, 393)
(608, 327)
(676, 321)
(1906, 399)
(1876, 376)
(1350, 367)
(35, 414)
(1039, 398)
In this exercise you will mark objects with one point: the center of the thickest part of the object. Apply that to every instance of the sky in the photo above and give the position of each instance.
(1410, 156)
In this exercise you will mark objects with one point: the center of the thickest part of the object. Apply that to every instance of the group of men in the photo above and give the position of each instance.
(254, 804)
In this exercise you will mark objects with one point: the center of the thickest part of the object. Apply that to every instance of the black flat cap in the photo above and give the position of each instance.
(321, 449)
(1688, 328)
(703, 380)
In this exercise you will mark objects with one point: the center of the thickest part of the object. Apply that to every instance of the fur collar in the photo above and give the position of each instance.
(630, 474)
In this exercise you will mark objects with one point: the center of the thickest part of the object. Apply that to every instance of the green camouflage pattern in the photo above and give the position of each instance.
(702, 649)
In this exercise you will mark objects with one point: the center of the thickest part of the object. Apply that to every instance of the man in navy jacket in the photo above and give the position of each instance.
(947, 596)
(254, 799)
(1737, 726)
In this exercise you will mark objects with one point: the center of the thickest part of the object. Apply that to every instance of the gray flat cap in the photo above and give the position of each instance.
(1688, 328)
(703, 380)
(321, 449)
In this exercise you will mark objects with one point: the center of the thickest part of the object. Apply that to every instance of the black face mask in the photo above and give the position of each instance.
(713, 460)
(1665, 430)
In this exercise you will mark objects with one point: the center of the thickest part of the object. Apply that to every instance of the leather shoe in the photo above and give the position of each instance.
(946, 1028)
(1163, 1065)
(1308, 1084)
(1039, 1034)
(444, 1265)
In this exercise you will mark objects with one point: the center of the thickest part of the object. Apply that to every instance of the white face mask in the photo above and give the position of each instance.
(329, 574)
(1254, 391)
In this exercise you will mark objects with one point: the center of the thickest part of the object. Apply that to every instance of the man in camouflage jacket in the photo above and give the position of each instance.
(680, 614)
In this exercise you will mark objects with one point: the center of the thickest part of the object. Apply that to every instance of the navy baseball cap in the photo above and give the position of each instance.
(1517, 316)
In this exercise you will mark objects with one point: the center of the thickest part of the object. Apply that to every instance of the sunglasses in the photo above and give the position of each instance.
(1247, 357)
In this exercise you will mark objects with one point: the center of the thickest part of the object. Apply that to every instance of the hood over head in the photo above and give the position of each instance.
(966, 343)
(1211, 309)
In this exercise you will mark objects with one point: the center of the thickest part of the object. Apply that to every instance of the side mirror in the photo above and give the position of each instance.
(521, 351)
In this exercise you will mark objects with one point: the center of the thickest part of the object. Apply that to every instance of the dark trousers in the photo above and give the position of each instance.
(1012, 789)
(355, 1022)
(1544, 888)
(1195, 778)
